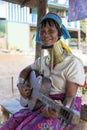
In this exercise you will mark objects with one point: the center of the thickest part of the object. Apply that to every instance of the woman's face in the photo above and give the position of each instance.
(48, 34)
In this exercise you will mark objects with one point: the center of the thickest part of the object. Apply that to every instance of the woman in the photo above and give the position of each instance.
(61, 68)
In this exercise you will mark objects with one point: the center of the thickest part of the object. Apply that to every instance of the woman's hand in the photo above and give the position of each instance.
(49, 112)
(25, 90)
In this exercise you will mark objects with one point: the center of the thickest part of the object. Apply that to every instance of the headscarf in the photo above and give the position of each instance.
(56, 18)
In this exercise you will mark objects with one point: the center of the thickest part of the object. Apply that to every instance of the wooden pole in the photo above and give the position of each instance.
(5, 115)
(79, 35)
(86, 31)
(42, 9)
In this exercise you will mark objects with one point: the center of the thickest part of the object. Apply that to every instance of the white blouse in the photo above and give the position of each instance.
(71, 69)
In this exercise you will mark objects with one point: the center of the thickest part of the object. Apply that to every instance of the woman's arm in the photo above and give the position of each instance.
(71, 90)
(25, 72)
(23, 84)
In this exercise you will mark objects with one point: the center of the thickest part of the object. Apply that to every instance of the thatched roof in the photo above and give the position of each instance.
(28, 3)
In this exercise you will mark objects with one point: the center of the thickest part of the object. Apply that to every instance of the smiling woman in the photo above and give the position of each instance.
(49, 32)
(65, 73)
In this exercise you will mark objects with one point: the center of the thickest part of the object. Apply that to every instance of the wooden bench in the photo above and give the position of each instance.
(9, 107)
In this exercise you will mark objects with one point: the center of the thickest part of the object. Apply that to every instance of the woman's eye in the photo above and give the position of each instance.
(51, 31)
(48, 32)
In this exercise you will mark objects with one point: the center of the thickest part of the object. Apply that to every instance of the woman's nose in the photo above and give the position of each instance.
(46, 33)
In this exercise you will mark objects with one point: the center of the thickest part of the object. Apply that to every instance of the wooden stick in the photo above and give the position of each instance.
(5, 115)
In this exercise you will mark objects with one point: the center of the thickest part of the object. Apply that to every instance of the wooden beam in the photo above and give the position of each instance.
(22, 3)
(42, 9)
(29, 3)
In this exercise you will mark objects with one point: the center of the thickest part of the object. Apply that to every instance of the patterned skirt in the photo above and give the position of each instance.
(28, 120)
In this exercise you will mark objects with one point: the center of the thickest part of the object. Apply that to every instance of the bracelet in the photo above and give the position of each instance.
(20, 80)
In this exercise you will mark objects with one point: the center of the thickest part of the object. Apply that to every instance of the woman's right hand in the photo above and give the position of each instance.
(25, 90)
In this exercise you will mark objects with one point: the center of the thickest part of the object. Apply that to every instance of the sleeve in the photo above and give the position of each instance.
(75, 72)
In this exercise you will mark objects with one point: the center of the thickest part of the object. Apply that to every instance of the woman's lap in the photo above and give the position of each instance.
(27, 120)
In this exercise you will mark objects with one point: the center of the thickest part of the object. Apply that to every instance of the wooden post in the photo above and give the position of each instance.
(79, 35)
(12, 79)
(42, 8)
(86, 31)
(5, 115)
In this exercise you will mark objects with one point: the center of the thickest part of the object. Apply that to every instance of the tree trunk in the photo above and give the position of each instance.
(42, 7)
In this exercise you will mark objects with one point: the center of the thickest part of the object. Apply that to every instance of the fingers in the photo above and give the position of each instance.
(49, 112)
(52, 113)
(45, 112)
(59, 102)
(25, 90)
(28, 93)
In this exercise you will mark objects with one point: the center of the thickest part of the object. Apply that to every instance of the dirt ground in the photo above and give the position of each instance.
(10, 66)
(11, 63)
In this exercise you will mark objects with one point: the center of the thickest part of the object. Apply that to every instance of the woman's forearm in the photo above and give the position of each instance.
(71, 90)
(25, 72)
(69, 102)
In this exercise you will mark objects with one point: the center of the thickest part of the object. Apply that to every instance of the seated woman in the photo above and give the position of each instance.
(65, 72)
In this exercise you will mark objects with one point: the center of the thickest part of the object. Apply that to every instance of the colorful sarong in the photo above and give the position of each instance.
(27, 120)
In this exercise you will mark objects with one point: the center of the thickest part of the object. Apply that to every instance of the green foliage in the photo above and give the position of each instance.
(83, 25)
(84, 90)
(2, 27)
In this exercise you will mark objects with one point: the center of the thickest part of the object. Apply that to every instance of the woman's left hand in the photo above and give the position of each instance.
(49, 112)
